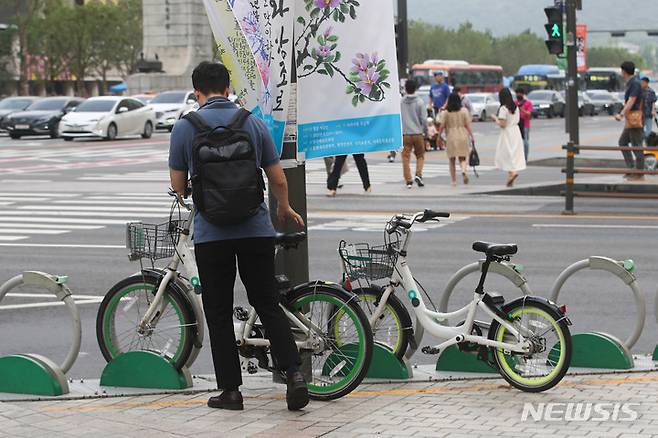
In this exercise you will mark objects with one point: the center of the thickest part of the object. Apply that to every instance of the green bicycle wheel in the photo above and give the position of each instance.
(122, 309)
(338, 364)
(548, 331)
(394, 327)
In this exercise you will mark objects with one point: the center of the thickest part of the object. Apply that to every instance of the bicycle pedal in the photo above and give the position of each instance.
(430, 350)
(240, 313)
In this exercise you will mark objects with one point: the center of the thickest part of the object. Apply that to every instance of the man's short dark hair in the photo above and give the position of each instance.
(210, 77)
(520, 90)
(628, 67)
(410, 86)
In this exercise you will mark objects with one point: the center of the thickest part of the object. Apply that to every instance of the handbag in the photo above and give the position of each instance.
(635, 118)
(474, 158)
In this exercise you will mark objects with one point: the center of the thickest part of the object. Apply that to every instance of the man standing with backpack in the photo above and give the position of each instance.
(232, 222)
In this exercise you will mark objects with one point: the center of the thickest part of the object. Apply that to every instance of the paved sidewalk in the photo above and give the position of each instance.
(466, 408)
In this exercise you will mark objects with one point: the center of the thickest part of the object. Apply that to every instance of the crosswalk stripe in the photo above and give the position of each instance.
(63, 220)
(12, 238)
(31, 231)
(50, 226)
(108, 202)
(92, 209)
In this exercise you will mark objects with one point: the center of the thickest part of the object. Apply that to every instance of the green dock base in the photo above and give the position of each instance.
(599, 350)
(144, 369)
(31, 374)
(655, 354)
(384, 364)
(453, 359)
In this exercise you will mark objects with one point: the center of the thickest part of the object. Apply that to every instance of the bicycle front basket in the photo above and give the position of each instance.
(152, 241)
(368, 262)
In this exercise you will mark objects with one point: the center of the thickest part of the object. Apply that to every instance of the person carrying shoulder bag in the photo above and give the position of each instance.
(633, 114)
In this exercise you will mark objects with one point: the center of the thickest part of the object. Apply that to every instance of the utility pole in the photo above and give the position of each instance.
(572, 102)
(402, 38)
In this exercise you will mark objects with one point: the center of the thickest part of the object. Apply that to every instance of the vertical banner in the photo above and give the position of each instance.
(347, 82)
(268, 28)
(581, 46)
(234, 53)
(254, 38)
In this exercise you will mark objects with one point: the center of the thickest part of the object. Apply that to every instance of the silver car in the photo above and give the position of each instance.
(484, 105)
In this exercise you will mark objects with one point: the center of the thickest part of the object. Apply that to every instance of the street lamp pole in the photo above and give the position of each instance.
(403, 38)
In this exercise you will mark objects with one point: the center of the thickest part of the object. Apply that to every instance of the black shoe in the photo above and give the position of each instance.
(297, 393)
(419, 181)
(231, 400)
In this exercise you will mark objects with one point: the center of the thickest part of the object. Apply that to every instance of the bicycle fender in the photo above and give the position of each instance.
(348, 296)
(178, 287)
(507, 307)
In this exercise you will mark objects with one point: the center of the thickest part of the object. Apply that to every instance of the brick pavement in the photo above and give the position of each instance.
(468, 408)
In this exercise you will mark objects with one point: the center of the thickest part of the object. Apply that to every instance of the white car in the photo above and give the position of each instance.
(108, 117)
(484, 105)
(169, 106)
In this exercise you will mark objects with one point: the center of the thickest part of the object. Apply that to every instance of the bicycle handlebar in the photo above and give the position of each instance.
(180, 200)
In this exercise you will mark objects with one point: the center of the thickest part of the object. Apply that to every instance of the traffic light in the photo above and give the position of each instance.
(555, 31)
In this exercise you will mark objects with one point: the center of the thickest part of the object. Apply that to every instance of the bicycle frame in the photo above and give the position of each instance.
(431, 320)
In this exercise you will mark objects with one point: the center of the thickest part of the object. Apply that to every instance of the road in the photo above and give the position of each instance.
(64, 206)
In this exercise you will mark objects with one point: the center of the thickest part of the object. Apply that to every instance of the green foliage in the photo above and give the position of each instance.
(428, 41)
(612, 57)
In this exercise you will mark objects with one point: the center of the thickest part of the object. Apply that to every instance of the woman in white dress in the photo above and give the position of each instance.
(509, 151)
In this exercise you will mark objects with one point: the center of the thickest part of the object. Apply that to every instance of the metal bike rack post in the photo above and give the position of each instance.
(510, 271)
(32, 373)
(601, 350)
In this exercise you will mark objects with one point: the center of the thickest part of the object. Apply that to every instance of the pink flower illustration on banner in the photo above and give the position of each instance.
(324, 51)
(360, 63)
(327, 3)
(368, 79)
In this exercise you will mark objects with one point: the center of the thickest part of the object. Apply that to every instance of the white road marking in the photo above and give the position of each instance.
(50, 226)
(94, 209)
(61, 220)
(597, 226)
(63, 245)
(49, 304)
(11, 238)
(31, 231)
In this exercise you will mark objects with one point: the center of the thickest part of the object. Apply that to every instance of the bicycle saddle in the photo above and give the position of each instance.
(289, 239)
(497, 249)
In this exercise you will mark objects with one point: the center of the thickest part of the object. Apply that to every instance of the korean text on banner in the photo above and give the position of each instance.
(347, 81)
(581, 46)
(268, 27)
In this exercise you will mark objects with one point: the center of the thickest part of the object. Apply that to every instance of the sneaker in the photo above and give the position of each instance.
(391, 158)
(419, 181)
(410, 185)
(297, 393)
(231, 400)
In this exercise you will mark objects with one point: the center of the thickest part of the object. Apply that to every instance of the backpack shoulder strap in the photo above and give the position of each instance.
(197, 121)
(238, 119)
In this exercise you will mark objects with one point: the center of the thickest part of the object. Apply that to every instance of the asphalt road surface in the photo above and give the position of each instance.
(64, 206)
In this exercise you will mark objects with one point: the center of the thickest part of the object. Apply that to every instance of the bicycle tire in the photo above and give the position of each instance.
(342, 301)
(402, 318)
(105, 319)
(506, 363)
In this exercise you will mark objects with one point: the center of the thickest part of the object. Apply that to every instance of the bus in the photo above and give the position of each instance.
(602, 78)
(472, 78)
(539, 77)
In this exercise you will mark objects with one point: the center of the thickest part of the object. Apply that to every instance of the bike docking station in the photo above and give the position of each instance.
(591, 350)
(468, 360)
(32, 373)
(144, 369)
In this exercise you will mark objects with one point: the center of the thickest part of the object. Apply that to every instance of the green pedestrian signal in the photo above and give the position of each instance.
(554, 30)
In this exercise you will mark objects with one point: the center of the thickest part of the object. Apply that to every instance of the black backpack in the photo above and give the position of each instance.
(227, 184)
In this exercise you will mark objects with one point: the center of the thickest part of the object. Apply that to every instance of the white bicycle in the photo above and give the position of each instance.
(159, 309)
(528, 339)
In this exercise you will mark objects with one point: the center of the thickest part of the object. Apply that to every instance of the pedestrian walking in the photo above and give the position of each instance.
(509, 150)
(525, 115)
(456, 121)
(439, 92)
(334, 177)
(649, 103)
(414, 128)
(466, 102)
(633, 115)
(221, 238)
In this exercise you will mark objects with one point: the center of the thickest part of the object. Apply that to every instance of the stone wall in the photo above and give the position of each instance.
(179, 33)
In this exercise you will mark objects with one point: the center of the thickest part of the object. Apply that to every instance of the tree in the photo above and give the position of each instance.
(612, 57)
(26, 11)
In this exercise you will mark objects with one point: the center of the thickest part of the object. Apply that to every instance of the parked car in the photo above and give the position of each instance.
(605, 102)
(169, 105)
(12, 104)
(145, 98)
(108, 117)
(484, 105)
(547, 103)
(40, 118)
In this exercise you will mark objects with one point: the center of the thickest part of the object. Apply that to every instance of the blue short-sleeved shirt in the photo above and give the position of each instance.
(634, 89)
(649, 101)
(219, 111)
(439, 94)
